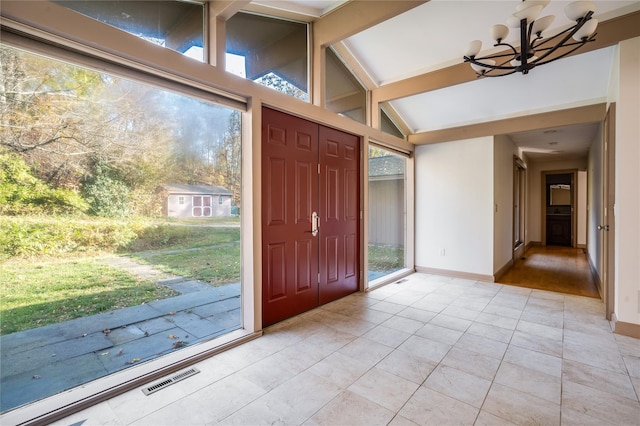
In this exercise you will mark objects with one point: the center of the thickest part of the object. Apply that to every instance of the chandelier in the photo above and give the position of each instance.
(535, 49)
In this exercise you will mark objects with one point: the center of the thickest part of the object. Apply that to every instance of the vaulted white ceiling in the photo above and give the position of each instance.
(434, 35)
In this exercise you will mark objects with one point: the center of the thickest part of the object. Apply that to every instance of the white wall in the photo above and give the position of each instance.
(454, 206)
(627, 209)
(534, 199)
(504, 150)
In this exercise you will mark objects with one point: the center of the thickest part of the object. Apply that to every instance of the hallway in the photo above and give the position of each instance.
(553, 268)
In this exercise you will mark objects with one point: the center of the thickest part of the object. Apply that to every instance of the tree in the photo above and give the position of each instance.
(105, 192)
(22, 193)
(112, 138)
(230, 157)
(39, 107)
(62, 118)
(274, 81)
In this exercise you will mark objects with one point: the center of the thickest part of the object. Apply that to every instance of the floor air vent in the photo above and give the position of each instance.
(163, 383)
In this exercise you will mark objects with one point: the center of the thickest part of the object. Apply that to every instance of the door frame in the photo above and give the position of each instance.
(574, 202)
(520, 169)
(343, 278)
(607, 210)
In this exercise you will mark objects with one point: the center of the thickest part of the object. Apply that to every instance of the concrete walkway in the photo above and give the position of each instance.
(44, 361)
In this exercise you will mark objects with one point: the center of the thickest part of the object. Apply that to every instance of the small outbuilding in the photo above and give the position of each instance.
(188, 201)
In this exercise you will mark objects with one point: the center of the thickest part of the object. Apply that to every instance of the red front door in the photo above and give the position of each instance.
(308, 171)
(339, 213)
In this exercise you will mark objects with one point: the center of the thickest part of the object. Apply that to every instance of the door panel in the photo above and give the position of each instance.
(339, 230)
(289, 196)
(307, 168)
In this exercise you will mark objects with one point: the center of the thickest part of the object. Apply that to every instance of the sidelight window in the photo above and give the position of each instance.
(387, 212)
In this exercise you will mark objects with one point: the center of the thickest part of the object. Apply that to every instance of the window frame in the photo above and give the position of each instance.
(64, 403)
(409, 217)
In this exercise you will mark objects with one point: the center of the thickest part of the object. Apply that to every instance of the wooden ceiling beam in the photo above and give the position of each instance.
(579, 115)
(356, 16)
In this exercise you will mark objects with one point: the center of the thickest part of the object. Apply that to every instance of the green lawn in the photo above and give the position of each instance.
(35, 294)
(385, 258)
(215, 265)
(61, 284)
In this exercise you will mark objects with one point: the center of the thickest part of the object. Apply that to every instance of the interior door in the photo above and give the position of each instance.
(310, 215)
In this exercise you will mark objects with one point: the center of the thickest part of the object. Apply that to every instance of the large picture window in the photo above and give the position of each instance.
(102, 265)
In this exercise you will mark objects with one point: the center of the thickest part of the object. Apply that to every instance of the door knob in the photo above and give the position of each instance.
(603, 227)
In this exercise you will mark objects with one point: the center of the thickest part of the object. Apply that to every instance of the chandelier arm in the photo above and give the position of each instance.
(495, 67)
(513, 49)
(550, 39)
(524, 46)
(486, 74)
(572, 31)
(577, 45)
(497, 55)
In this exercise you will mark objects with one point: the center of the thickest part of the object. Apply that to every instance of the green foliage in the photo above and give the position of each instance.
(26, 237)
(164, 236)
(106, 193)
(37, 236)
(22, 193)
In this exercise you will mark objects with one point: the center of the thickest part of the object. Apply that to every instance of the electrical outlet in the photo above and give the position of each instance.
(441, 252)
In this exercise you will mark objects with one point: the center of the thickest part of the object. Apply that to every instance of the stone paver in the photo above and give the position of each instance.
(47, 360)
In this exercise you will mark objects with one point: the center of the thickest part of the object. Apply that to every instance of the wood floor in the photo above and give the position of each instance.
(553, 268)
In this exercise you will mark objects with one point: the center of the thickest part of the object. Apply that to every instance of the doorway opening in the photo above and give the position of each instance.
(559, 221)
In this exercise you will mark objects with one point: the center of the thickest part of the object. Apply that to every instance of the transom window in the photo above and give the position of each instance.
(270, 51)
(177, 25)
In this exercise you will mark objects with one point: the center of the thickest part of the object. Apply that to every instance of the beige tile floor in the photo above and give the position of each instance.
(427, 351)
